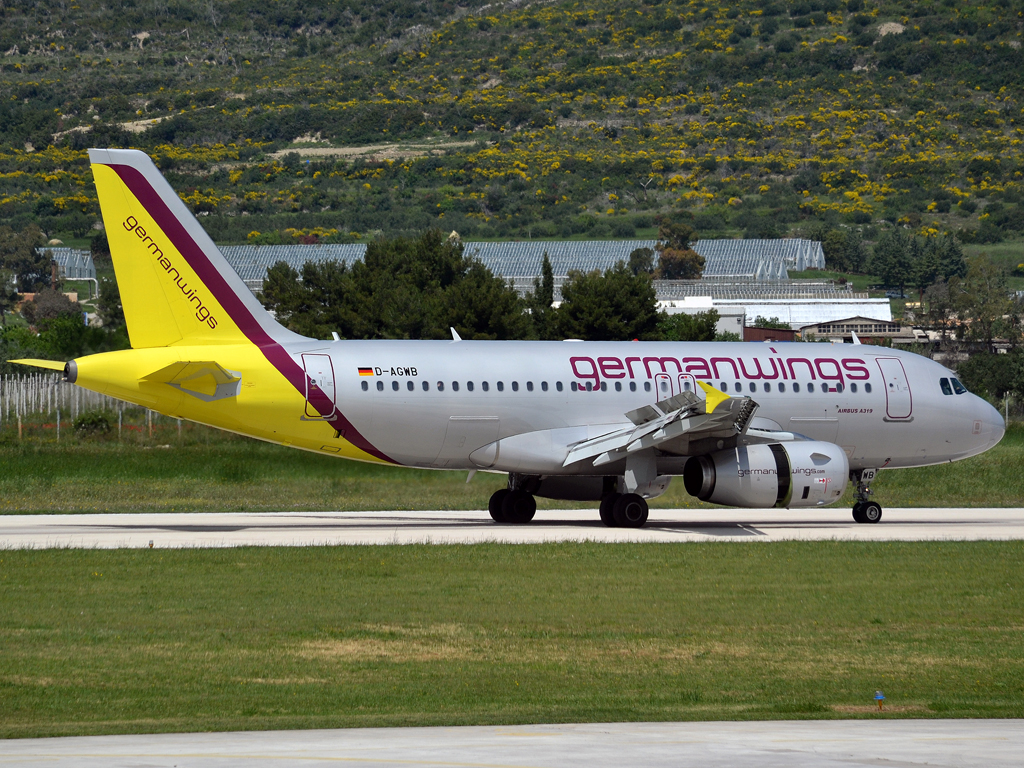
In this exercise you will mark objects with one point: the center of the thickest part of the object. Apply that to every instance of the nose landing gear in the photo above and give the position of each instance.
(865, 510)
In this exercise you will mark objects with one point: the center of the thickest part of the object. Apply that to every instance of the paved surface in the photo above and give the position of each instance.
(317, 528)
(817, 744)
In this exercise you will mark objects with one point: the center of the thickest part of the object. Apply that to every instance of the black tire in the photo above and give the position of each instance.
(872, 512)
(608, 509)
(494, 506)
(519, 507)
(858, 512)
(630, 511)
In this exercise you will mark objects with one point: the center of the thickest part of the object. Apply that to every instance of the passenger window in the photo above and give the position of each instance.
(367, 386)
(782, 387)
(867, 388)
(647, 386)
(810, 387)
(839, 388)
(853, 388)
(380, 386)
(544, 386)
(426, 386)
(725, 387)
(394, 385)
(825, 389)
(409, 385)
(440, 386)
(501, 386)
(753, 387)
(590, 387)
(529, 386)
(604, 386)
(455, 386)
(572, 386)
(558, 386)
(739, 387)
(469, 386)
(515, 386)
(958, 387)
(632, 386)
(484, 386)
(767, 387)
(796, 386)
(618, 386)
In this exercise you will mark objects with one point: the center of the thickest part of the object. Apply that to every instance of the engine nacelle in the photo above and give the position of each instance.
(797, 474)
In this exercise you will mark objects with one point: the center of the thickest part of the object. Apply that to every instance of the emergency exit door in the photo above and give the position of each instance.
(319, 386)
(899, 403)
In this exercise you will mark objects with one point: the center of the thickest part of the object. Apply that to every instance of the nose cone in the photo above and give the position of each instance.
(992, 426)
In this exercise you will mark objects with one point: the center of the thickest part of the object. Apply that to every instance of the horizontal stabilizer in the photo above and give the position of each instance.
(53, 365)
(207, 381)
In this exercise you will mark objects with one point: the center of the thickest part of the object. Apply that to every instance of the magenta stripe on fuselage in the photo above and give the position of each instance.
(276, 355)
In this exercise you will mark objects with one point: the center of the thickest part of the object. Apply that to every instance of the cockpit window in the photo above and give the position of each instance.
(958, 387)
(946, 389)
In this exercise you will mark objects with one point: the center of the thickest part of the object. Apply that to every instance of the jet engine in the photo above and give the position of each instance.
(797, 474)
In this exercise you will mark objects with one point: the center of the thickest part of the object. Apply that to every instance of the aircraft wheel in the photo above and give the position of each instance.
(872, 512)
(608, 509)
(494, 506)
(518, 507)
(630, 511)
(858, 512)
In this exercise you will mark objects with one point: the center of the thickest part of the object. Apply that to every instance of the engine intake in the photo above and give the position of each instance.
(799, 474)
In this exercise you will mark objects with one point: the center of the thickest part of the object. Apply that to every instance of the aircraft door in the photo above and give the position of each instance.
(663, 388)
(319, 386)
(899, 403)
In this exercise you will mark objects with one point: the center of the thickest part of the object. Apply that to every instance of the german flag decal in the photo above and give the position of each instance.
(366, 371)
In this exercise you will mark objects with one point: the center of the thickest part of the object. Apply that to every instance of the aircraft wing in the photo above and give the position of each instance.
(673, 424)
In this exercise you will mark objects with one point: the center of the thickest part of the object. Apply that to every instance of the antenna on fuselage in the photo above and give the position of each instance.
(455, 334)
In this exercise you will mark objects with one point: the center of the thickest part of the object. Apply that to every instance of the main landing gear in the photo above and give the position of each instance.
(624, 510)
(512, 506)
(865, 510)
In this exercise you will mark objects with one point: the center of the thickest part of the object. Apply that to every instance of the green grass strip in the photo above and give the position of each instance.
(258, 638)
(208, 471)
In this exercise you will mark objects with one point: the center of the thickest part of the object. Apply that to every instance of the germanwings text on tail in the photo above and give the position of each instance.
(744, 424)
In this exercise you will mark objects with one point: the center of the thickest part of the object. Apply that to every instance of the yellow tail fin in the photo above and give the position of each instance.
(176, 287)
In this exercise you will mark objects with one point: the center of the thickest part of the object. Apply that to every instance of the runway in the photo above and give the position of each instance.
(232, 529)
(793, 744)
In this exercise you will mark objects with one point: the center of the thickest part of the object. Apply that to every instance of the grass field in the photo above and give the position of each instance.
(207, 470)
(100, 641)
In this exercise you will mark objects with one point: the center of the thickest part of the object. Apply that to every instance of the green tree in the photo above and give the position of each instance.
(676, 258)
(20, 256)
(47, 306)
(891, 259)
(981, 298)
(615, 306)
(770, 322)
(700, 326)
(540, 300)
(641, 260)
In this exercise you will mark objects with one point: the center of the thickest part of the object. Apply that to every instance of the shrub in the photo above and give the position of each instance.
(92, 424)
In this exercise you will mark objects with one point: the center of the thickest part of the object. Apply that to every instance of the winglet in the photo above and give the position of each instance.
(714, 397)
(53, 365)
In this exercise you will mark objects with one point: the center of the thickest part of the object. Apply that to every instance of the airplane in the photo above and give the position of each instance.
(755, 425)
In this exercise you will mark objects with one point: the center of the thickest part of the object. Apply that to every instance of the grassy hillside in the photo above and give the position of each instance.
(527, 119)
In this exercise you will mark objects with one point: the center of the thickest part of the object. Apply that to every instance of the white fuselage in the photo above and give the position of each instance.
(432, 404)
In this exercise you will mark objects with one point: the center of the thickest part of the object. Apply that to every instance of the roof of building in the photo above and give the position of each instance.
(799, 313)
(751, 260)
(73, 263)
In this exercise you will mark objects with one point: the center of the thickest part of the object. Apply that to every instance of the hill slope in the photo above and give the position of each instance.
(524, 119)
